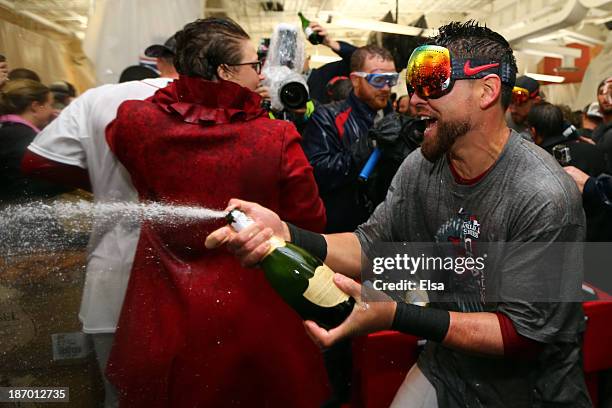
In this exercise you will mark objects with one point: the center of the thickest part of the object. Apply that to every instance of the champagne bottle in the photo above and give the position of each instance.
(314, 37)
(301, 279)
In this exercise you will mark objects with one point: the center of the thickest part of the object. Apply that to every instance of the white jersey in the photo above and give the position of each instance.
(77, 137)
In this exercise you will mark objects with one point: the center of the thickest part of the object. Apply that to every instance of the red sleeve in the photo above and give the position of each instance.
(515, 344)
(300, 203)
(33, 165)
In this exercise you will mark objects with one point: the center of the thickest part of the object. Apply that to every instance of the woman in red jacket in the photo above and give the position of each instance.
(197, 329)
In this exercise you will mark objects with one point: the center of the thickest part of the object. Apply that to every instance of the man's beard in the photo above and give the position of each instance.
(447, 133)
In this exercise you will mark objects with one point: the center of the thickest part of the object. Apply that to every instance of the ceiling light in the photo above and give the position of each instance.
(545, 78)
(380, 26)
(324, 59)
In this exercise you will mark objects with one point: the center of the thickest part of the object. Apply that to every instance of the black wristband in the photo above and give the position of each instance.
(426, 322)
(310, 241)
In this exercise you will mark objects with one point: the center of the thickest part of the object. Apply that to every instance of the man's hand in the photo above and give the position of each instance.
(365, 317)
(251, 244)
(327, 40)
(585, 139)
(579, 176)
(263, 91)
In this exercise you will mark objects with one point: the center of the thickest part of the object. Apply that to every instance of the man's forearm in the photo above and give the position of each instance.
(475, 333)
(344, 254)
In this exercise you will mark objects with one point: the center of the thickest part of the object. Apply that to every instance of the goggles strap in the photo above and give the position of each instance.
(475, 68)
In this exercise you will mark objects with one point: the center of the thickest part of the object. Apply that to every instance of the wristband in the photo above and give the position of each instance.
(426, 322)
(308, 240)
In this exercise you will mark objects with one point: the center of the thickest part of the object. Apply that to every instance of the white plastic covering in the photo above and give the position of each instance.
(287, 48)
(120, 30)
(599, 69)
(284, 62)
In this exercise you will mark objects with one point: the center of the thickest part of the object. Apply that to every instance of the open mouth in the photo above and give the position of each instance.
(431, 123)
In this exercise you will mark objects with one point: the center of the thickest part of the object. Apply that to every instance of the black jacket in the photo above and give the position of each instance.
(319, 77)
(335, 142)
(585, 156)
(602, 135)
(14, 186)
(590, 160)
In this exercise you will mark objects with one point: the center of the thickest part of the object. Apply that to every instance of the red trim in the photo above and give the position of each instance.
(516, 345)
(341, 120)
(33, 165)
(464, 181)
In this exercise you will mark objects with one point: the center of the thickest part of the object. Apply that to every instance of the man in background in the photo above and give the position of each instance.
(525, 94)
(165, 57)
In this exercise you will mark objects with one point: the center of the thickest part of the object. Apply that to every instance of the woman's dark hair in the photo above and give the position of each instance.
(204, 45)
(17, 95)
(546, 119)
(23, 73)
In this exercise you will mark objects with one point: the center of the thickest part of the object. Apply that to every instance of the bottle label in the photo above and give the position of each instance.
(308, 31)
(322, 290)
(275, 242)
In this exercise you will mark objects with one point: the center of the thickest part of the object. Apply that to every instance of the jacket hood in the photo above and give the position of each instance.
(197, 100)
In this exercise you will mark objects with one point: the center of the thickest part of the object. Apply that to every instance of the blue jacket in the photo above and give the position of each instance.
(335, 142)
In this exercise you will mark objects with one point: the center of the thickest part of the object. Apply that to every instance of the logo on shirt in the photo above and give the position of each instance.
(463, 231)
(471, 227)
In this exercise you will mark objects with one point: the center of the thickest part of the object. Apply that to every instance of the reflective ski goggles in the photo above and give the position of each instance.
(521, 95)
(432, 71)
(379, 80)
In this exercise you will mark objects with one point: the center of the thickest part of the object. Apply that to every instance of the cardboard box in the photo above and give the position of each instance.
(40, 296)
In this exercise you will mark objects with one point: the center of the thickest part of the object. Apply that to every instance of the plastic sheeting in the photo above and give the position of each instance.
(120, 30)
(53, 56)
(284, 63)
(563, 94)
(599, 69)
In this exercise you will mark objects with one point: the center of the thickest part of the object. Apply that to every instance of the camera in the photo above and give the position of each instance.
(283, 69)
(562, 153)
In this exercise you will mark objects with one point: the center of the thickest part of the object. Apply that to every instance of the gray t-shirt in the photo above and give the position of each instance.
(525, 197)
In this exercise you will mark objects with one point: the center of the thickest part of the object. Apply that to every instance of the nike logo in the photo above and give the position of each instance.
(468, 70)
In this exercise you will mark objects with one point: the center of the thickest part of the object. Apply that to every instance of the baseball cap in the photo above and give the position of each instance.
(592, 110)
(529, 84)
(158, 50)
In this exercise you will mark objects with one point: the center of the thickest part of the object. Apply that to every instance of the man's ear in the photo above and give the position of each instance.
(223, 72)
(490, 91)
(537, 140)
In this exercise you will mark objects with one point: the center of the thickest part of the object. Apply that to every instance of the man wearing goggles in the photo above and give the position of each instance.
(473, 181)
(335, 135)
(525, 94)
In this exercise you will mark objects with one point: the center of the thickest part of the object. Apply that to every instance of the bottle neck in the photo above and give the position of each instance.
(239, 221)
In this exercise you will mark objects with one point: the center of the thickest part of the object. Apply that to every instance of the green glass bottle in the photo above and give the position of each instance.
(301, 279)
(314, 37)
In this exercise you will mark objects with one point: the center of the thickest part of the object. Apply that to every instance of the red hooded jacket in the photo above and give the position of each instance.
(197, 329)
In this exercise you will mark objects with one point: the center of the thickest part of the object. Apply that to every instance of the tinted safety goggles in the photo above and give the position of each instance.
(521, 95)
(432, 71)
(379, 80)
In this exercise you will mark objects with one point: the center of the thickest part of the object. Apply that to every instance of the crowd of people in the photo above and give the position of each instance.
(176, 324)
